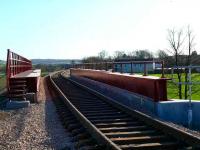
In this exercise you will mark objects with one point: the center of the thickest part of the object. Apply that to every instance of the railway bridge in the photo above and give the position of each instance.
(108, 110)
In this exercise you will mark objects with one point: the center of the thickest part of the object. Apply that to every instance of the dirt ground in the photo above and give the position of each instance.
(35, 127)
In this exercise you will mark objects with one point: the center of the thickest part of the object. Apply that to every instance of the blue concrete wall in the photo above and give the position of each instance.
(175, 111)
(196, 114)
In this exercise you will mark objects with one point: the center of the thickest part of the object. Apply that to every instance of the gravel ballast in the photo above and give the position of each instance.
(35, 127)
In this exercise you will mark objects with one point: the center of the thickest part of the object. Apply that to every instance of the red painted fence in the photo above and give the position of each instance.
(153, 87)
(15, 65)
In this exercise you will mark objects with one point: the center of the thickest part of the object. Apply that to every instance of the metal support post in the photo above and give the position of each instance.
(131, 67)
(145, 70)
(163, 75)
(190, 98)
(121, 68)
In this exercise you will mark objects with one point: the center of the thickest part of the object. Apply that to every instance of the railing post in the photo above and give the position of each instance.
(145, 70)
(163, 73)
(112, 66)
(8, 70)
(131, 67)
(190, 99)
(106, 66)
(121, 67)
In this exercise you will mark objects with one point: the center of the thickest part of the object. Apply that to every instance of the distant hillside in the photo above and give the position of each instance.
(54, 61)
(2, 62)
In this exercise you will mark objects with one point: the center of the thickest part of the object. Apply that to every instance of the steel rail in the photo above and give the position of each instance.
(96, 133)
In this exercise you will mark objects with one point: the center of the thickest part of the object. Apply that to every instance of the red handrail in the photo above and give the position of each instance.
(15, 65)
(107, 65)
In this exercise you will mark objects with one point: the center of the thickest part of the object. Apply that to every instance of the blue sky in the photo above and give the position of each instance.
(79, 28)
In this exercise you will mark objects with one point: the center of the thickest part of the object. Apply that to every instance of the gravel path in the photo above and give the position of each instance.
(36, 127)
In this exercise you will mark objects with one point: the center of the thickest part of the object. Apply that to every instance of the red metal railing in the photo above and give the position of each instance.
(111, 65)
(15, 65)
(153, 87)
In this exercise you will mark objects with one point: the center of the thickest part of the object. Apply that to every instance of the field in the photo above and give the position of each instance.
(2, 81)
(2, 84)
(44, 73)
(172, 88)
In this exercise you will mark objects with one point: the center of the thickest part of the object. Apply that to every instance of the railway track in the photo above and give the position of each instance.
(114, 126)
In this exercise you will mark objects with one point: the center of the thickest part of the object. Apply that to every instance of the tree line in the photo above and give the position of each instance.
(181, 52)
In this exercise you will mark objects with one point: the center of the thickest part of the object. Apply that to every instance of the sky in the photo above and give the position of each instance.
(73, 29)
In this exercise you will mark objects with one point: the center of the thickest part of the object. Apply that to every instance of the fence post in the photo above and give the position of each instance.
(131, 67)
(113, 67)
(145, 70)
(190, 98)
(163, 73)
(121, 67)
(106, 66)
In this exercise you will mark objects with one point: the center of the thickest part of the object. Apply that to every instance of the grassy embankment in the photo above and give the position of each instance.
(44, 73)
(2, 81)
(172, 88)
(2, 84)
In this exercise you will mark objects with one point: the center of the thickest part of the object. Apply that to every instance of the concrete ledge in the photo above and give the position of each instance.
(32, 97)
(177, 111)
(17, 104)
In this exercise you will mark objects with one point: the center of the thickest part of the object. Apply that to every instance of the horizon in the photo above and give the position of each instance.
(73, 30)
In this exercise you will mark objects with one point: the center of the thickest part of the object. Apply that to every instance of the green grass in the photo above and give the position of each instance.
(2, 82)
(2, 85)
(172, 88)
(44, 73)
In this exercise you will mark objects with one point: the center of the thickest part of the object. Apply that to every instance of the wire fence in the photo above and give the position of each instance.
(124, 67)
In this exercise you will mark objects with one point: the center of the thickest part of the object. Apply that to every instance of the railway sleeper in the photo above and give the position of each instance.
(151, 146)
(96, 111)
(93, 108)
(81, 136)
(71, 127)
(120, 116)
(82, 104)
(118, 124)
(103, 113)
(93, 147)
(131, 134)
(96, 121)
(87, 103)
(124, 129)
(140, 139)
(85, 142)
(75, 132)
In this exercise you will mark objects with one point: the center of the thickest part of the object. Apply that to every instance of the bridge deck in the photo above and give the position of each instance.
(28, 74)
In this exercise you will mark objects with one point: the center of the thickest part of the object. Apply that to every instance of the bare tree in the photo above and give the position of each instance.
(91, 59)
(119, 54)
(190, 47)
(176, 39)
(143, 54)
(102, 54)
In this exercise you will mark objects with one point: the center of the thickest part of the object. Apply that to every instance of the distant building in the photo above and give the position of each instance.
(137, 66)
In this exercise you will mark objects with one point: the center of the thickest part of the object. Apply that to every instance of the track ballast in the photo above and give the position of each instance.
(112, 125)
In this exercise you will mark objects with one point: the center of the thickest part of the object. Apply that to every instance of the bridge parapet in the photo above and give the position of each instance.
(16, 64)
(21, 79)
(153, 87)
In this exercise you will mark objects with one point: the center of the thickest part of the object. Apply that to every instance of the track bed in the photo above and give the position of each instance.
(117, 127)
